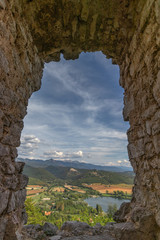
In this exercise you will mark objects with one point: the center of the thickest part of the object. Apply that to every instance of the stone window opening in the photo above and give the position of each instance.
(35, 32)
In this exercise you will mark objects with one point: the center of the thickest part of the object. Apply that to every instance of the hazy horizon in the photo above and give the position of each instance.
(105, 164)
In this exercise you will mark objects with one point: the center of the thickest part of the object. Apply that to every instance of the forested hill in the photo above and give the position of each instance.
(73, 164)
(75, 176)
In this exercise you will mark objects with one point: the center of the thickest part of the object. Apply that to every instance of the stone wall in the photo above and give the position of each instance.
(34, 31)
(140, 77)
(20, 75)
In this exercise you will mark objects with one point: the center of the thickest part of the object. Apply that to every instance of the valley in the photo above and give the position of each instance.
(57, 194)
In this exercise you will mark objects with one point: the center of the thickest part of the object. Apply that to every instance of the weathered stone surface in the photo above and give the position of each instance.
(32, 32)
(102, 237)
(8, 165)
(4, 196)
(4, 150)
(50, 229)
(17, 200)
(121, 214)
(19, 166)
(37, 232)
(33, 232)
(76, 228)
(23, 181)
(3, 222)
(11, 182)
(55, 238)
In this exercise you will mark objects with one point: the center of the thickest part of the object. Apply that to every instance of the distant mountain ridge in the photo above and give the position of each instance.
(73, 164)
(72, 176)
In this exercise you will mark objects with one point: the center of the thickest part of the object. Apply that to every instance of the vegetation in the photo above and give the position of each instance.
(35, 216)
(38, 173)
(118, 194)
(62, 175)
(56, 200)
(35, 181)
(66, 206)
(111, 210)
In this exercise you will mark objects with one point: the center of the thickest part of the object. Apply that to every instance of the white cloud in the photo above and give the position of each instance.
(119, 161)
(54, 154)
(58, 129)
(78, 154)
(63, 156)
(126, 161)
(30, 139)
(29, 143)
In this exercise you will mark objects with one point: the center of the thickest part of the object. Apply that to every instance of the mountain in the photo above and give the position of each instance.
(62, 175)
(39, 173)
(73, 164)
(80, 176)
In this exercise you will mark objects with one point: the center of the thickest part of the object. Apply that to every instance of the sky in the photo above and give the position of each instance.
(77, 114)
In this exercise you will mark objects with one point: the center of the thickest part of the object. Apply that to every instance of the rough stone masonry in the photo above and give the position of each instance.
(128, 31)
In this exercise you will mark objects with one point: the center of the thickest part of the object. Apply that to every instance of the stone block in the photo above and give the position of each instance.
(149, 127)
(150, 111)
(50, 229)
(156, 127)
(12, 203)
(23, 181)
(11, 182)
(157, 11)
(8, 166)
(1, 128)
(14, 153)
(19, 166)
(156, 142)
(77, 228)
(55, 238)
(4, 196)
(3, 4)
(136, 149)
(120, 215)
(149, 150)
(155, 163)
(20, 197)
(156, 89)
(4, 150)
(17, 200)
(3, 222)
(3, 60)
(128, 107)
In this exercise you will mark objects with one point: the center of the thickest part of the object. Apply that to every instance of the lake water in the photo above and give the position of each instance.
(105, 202)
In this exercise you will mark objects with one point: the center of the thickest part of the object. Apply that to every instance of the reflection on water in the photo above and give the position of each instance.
(105, 202)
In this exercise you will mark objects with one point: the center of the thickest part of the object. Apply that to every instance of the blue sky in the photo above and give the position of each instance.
(77, 114)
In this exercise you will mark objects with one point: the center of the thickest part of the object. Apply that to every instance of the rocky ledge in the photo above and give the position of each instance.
(74, 230)
(70, 231)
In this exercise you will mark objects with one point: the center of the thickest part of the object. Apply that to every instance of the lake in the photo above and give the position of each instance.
(105, 202)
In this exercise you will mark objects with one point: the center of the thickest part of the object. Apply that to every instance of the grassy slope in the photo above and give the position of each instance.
(90, 176)
(64, 174)
(38, 173)
(36, 181)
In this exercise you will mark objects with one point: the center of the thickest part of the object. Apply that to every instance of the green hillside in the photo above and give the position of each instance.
(38, 173)
(61, 175)
(36, 181)
(79, 176)
(59, 172)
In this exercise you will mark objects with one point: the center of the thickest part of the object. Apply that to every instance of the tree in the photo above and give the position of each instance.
(34, 214)
(60, 206)
(111, 210)
(98, 208)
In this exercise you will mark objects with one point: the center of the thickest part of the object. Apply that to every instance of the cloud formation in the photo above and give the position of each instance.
(57, 155)
(29, 144)
(77, 114)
